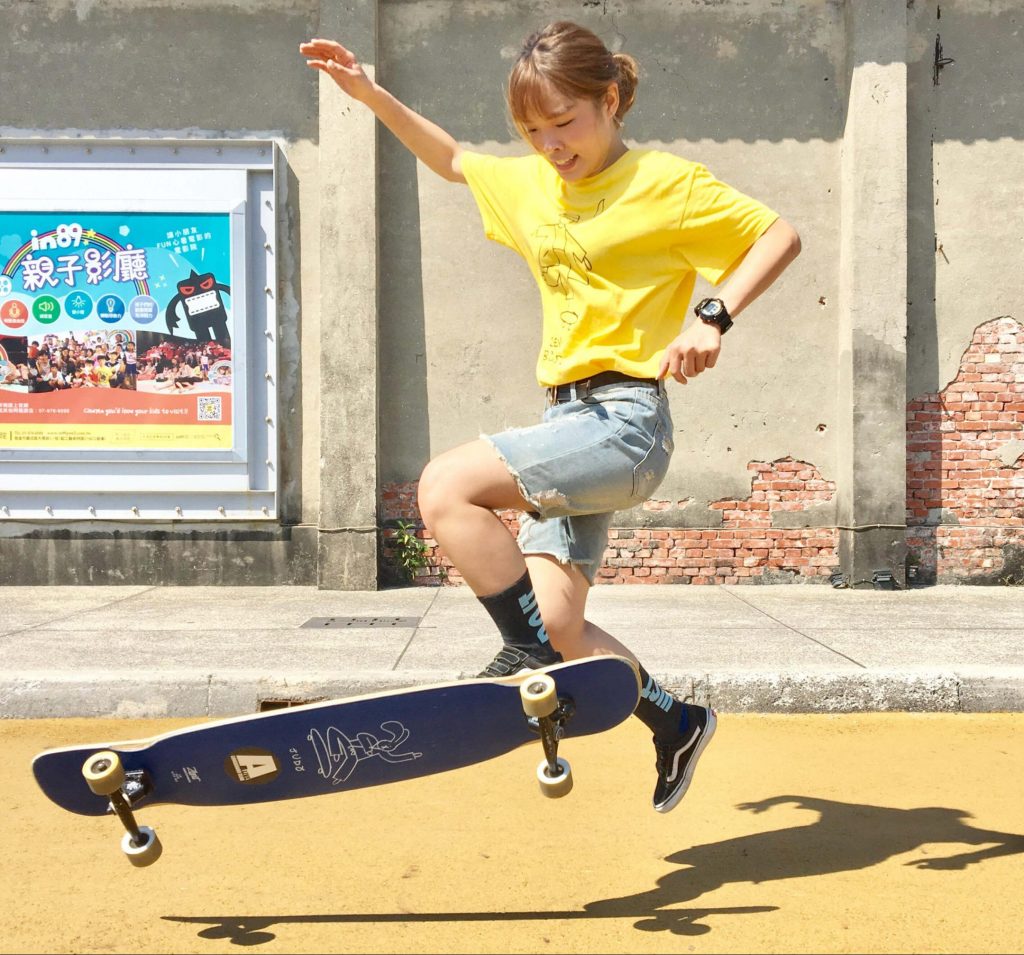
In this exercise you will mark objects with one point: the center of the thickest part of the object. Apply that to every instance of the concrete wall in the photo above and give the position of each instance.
(404, 332)
(965, 340)
(226, 69)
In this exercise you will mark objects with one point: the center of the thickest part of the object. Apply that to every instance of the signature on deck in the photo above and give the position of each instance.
(338, 753)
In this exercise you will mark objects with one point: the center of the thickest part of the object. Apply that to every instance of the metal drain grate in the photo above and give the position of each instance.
(273, 703)
(375, 623)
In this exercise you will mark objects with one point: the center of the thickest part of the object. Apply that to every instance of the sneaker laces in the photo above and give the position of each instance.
(511, 660)
(666, 749)
(663, 751)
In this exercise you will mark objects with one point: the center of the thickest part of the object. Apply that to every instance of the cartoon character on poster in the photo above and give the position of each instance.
(205, 311)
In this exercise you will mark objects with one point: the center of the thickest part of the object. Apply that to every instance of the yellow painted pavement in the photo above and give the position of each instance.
(851, 833)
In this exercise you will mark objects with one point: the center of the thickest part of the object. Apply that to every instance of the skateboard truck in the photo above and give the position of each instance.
(106, 777)
(547, 715)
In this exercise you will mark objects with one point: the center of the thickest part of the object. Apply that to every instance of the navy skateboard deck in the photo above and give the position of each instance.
(345, 744)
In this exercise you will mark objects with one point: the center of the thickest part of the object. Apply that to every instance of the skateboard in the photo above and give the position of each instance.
(340, 745)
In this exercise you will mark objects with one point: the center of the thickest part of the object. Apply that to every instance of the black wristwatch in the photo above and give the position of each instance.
(714, 312)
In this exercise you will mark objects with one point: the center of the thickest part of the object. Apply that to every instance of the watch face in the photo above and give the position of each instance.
(711, 309)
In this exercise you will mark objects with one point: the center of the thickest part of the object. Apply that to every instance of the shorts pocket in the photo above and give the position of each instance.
(651, 470)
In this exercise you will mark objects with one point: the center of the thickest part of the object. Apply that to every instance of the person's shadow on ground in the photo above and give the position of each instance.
(846, 837)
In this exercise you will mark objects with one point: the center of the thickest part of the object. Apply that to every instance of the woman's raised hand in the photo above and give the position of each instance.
(339, 64)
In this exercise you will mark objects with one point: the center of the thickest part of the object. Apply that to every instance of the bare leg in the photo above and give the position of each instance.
(458, 494)
(562, 591)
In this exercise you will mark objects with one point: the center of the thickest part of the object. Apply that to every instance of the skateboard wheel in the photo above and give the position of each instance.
(538, 695)
(147, 852)
(104, 773)
(554, 787)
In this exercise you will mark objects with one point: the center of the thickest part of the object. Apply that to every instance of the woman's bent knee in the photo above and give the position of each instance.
(471, 474)
(564, 629)
(436, 490)
(446, 483)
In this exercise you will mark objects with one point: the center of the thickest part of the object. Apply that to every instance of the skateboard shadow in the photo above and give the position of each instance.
(252, 930)
(845, 837)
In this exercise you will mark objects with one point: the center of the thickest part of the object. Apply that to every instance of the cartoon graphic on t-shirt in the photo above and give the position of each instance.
(561, 258)
(563, 262)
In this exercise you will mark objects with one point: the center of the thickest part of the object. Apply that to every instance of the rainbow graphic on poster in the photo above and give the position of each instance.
(73, 236)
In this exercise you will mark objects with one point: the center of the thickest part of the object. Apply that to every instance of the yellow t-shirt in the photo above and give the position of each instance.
(615, 255)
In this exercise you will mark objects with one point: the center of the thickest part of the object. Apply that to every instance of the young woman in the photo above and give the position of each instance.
(614, 237)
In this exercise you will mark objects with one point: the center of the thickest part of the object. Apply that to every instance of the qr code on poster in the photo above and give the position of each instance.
(209, 408)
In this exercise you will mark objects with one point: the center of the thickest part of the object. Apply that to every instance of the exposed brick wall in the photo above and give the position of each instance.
(965, 497)
(745, 548)
(965, 471)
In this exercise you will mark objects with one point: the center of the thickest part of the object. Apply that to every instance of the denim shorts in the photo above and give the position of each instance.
(602, 451)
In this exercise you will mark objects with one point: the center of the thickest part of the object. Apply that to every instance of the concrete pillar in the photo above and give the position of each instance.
(873, 295)
(347, 531)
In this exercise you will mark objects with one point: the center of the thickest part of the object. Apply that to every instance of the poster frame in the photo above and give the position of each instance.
(153, 483)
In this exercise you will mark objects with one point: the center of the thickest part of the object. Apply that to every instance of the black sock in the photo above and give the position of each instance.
(659, 709)
(518, 619)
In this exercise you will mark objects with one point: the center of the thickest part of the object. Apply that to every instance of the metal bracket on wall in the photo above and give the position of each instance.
(884, 580)
(941, 62)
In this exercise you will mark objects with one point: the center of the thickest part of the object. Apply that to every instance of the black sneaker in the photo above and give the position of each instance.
(513, 659)
(677, 757)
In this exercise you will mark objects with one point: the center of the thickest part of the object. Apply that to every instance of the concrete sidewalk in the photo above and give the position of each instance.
(217, 651)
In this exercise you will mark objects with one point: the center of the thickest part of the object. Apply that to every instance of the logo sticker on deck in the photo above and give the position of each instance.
(252, 766)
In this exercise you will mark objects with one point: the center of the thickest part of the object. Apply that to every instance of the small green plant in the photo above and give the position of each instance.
(410, 551)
